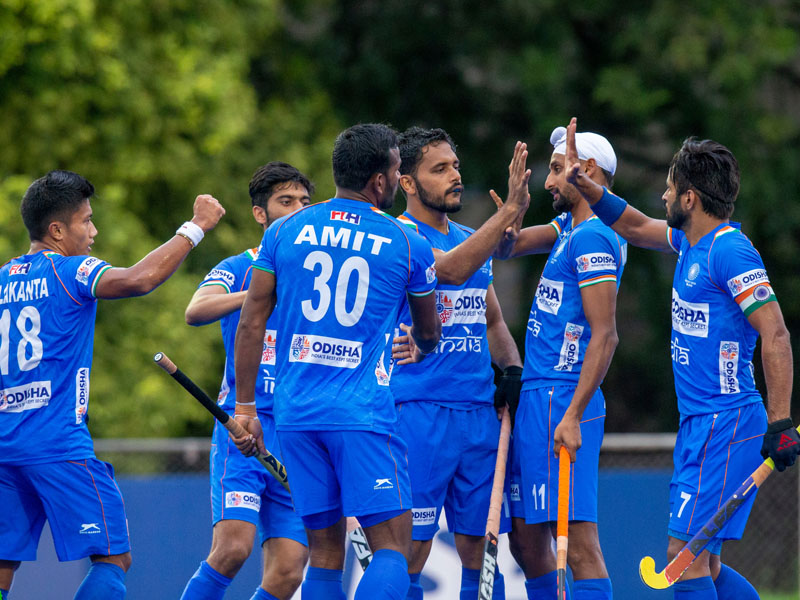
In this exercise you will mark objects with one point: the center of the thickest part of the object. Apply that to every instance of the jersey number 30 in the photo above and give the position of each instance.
(29, 325)
(353, 265)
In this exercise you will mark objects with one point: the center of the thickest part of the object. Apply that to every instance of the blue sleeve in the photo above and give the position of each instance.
(225, 274)
(560, 222)
(422, 272)
(266, 251)
(737, 268)
(596, 256)
(675, 238)
(81, 273)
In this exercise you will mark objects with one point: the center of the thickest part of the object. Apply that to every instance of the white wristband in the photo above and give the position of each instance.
(192, 231)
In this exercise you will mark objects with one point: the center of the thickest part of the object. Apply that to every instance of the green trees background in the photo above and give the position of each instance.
(156, 101)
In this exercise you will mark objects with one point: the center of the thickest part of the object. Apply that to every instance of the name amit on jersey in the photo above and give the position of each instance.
(23, 291)
(341, 237)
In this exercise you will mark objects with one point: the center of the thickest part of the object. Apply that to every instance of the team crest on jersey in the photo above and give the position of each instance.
(300, 347)
(694, 271)
(243, 500)
(21, 269)
(85, 269)
(745, 281)
(444, 305)
(347, 217)
(268, 349)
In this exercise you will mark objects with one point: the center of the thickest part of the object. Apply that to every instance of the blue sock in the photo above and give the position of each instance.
(206, 584)
(499, 590)
(3, 594)
(415, 589)
(701, 588)
(104, 581)
(470, 580)
(732, 586)
(262, 594)
(592, 589)
(323, 584)
(544, 587)
(386, 577)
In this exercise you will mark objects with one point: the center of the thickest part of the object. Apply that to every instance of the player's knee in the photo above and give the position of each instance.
(289, 574)
(229, 555)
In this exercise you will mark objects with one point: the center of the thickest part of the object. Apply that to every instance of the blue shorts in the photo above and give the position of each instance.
(534, 467)
(353, 473)
(80, 500)
(713, 456)
(242, 489)
(451, 458)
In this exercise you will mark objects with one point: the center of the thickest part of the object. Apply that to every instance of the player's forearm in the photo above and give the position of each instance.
(599, 353)
(207, 309)
(537, 239)
(247, 357)
(459, 264)
(776, 358)
(502, 346)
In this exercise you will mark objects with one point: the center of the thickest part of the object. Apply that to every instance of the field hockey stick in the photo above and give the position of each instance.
(359, 541)
(495, 506)
(269, 461)
(684, 559)
(562, 524)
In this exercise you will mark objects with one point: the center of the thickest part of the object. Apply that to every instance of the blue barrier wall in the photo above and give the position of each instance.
(169, 521)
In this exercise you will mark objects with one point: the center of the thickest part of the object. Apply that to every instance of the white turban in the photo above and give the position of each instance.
(590, 145)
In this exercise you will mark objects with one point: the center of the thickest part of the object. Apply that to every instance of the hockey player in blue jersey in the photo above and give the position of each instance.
(47, 316)
(339, 271)
(569, 344)
(445, 404)
(244, 495)
(722, 301)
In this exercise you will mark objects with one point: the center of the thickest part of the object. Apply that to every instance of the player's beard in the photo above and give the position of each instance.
(676, 216)
(439, 203)
(562, 203)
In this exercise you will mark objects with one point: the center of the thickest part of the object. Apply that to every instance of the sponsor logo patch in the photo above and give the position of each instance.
(243, 500)
(347, 217)
(596, 261)
(747, 280)
(549, 295)
(25, 397)
(515, 496)
(268, 349)
(570, 348)
(729, 367)
(689, 318)
(424, 516)
(323, 350)
(221, 275)
(81, 394)
(85, 269)
(460, 307)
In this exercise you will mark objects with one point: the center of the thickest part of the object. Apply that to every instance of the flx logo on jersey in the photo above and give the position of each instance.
(444, 306)
(300, 347)
(268, 349)
(89, 528)
(21, 269)
(347, 217)
(383, 484)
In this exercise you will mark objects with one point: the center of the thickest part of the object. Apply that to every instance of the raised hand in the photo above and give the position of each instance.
(572, 163)
(207, 212)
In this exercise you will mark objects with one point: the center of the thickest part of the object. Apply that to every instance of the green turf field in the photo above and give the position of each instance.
(778, 595)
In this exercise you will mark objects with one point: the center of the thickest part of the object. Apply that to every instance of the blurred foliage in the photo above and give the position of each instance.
(156, 101)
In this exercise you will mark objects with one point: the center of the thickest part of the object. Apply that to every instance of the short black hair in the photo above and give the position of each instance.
(711, 170)
(413, 140)
(361, 151)
(271, 175)
(54, 197)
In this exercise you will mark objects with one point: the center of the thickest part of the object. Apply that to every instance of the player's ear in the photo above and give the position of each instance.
(408, 185)
(56, 229)
(260, 215)
(590, 167)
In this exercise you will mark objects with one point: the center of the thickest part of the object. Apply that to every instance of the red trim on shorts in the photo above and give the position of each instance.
(728, 460)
